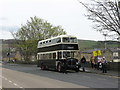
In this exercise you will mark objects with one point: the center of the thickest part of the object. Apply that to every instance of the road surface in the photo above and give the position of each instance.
(30, 76)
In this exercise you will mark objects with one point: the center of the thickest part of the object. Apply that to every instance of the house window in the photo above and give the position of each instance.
(115, 54)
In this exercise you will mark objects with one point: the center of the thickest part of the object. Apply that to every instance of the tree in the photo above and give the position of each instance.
(105, 14)
(34, 30)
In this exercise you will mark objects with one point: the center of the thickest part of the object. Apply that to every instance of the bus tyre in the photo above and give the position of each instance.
(43, 67)
(77, 70)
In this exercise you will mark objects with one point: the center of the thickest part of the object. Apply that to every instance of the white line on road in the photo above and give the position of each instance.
(10, 81)
(21, 87)
(5, 78)
(15, 84)
(115, 76)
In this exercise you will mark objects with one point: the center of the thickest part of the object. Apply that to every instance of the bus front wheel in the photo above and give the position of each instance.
(77, 70)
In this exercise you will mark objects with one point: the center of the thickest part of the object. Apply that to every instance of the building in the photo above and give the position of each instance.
(111, 54)
(116, 54)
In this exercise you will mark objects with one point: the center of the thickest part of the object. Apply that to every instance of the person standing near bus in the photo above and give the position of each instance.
(83, 61)
(104, 65)
(92, 61)
(65, 66)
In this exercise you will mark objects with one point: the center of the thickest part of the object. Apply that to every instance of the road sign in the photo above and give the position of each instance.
(97, 53)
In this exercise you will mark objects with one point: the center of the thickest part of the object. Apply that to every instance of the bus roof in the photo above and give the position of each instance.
(58, 37)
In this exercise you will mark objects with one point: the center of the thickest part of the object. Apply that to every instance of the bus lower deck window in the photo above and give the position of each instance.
(54, 55)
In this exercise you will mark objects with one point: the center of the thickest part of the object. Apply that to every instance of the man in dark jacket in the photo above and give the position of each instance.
(83, 61)
(104, 65)
(64, 66)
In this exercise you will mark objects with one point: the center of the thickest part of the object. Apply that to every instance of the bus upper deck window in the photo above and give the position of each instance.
(49, 40)
(58, 40)
(66, 39)
(73, 40)
(40, 43)
(43, 42)
(46, 41)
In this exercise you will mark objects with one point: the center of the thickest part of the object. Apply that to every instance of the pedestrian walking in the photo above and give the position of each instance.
(83, 61)
(96, 61)
(104, 65)
(92, 61)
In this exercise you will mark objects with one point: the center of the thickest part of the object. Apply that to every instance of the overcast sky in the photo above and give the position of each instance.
(66, 13)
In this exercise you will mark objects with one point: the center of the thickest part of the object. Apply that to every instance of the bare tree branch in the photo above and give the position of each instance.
(105, 14)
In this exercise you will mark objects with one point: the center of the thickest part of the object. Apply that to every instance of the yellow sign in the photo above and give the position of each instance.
(97, 53)
(94, 53)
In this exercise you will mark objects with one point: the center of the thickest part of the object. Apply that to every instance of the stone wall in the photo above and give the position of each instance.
(114, 66)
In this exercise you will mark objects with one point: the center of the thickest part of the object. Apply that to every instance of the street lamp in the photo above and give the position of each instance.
(105, 47)
(105, 34)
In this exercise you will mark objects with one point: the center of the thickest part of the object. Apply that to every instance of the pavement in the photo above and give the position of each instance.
(96, 71)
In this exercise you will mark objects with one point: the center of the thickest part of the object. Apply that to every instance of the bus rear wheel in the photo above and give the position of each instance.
(43, 67)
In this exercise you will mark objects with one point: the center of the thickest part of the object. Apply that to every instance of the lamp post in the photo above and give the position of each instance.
(105, 40)
(105, 47)
(105, 34)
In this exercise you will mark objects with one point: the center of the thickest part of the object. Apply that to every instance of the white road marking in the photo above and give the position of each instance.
(21, 87)
(5, 78)
(115, 76)
(12, 82)
(15, 84)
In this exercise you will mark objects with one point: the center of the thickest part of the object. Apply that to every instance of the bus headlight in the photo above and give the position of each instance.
(77, 63)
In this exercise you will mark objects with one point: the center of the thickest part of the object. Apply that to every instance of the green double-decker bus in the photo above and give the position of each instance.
(53, 52)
